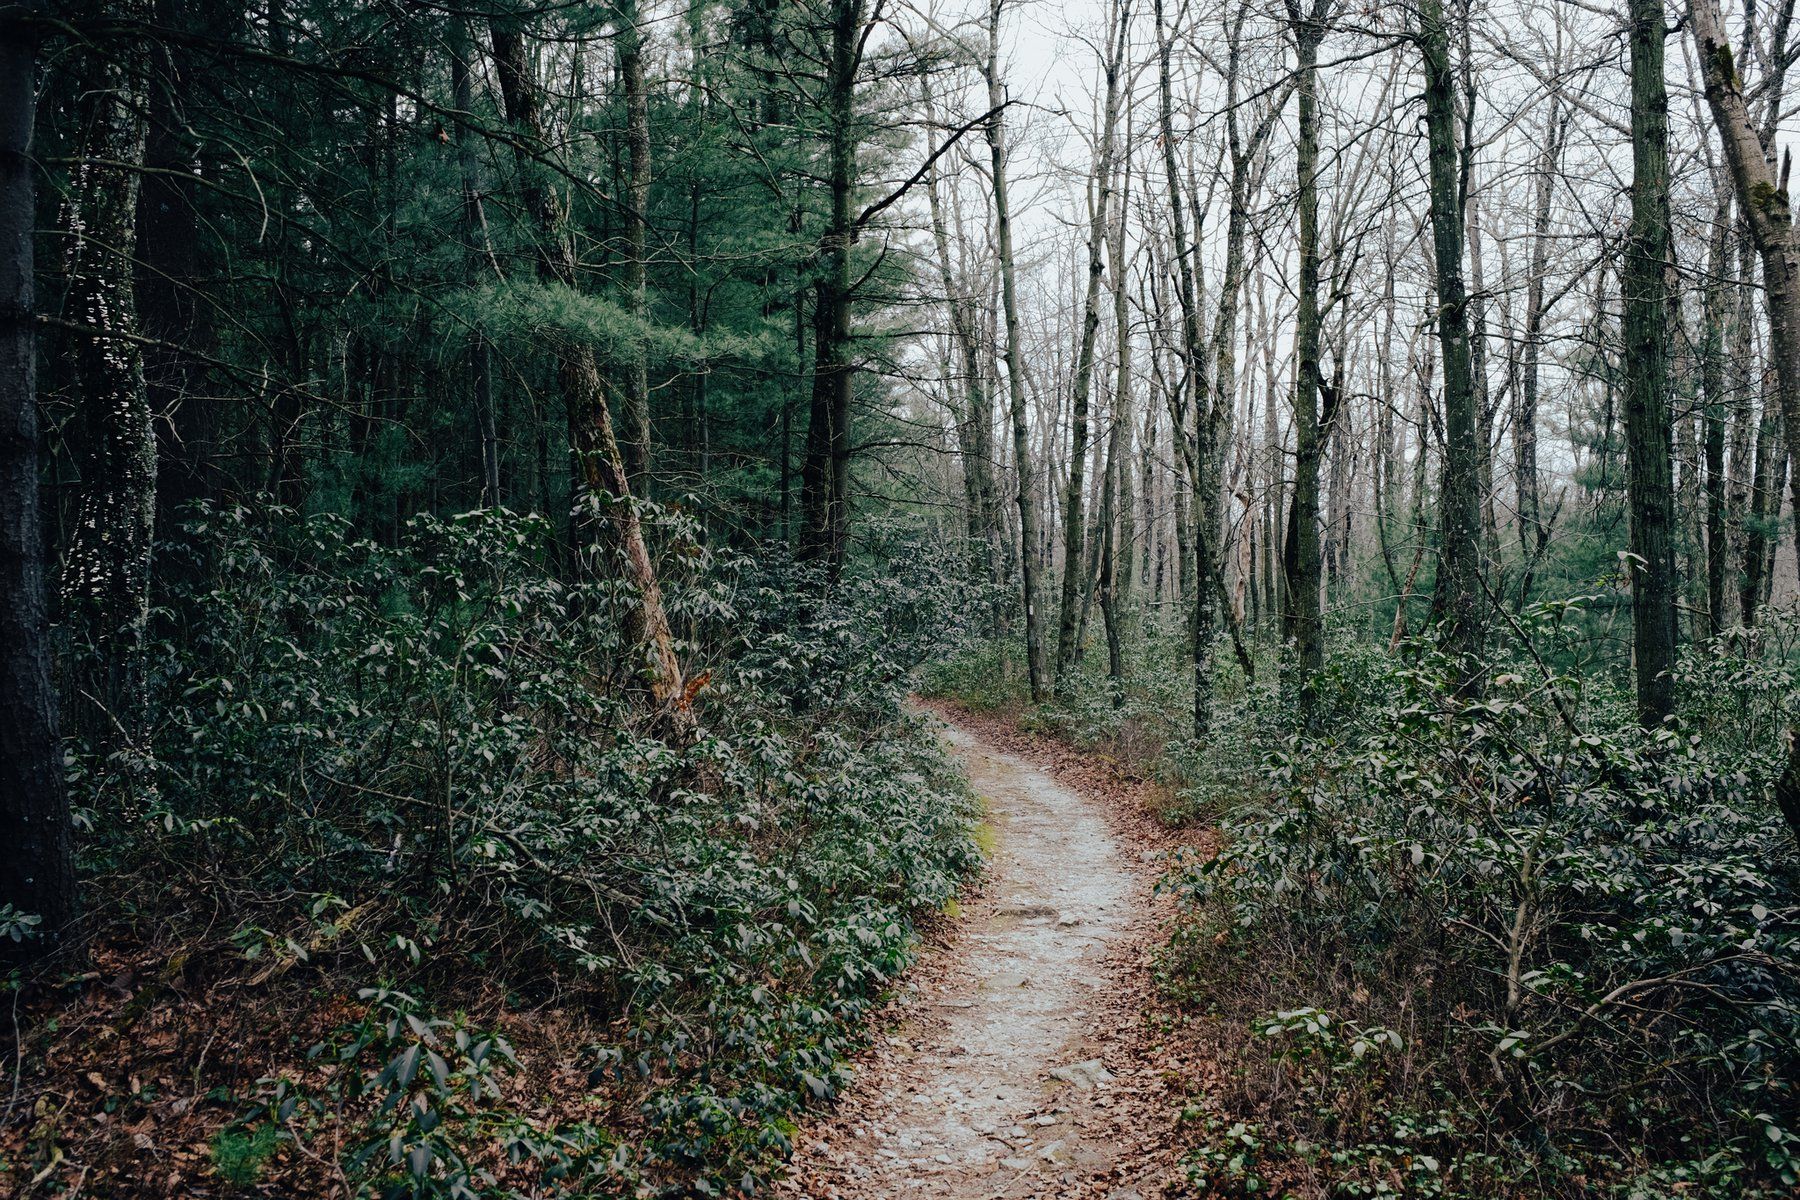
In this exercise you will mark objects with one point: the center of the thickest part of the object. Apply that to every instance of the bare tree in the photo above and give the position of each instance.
(1762, 201)
(1015, 366)
(1075, 574)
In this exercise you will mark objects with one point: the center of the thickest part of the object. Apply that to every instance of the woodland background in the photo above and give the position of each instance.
(492, 473)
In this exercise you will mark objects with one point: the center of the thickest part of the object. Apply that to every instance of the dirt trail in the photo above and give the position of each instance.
(1014, 1068)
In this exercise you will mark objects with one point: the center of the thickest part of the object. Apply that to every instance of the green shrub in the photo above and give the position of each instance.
(1585, 932)
(431, 763)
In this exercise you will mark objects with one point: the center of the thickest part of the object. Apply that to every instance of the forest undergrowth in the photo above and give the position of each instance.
(412, 899)
(1469, 945)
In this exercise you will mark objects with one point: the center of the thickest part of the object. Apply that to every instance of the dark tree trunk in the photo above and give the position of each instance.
(635, 411)
(1644, 283)
(106, 563)
(1075, 573)
(1458, 602)
(1302, 620)
(975, 417)
(1762, 199)
(1713, 394)
(1274, 467)
(825, 475)
(1759, 521)
(1215, 397)
(475, 229)
(1026, 482)
(169, 313)
(1534, 531)
(37, 873)
(1116, 499)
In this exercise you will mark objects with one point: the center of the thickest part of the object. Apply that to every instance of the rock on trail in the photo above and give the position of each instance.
(996, 1080)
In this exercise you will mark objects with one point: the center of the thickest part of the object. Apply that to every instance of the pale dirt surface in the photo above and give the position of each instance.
(1015, 1062)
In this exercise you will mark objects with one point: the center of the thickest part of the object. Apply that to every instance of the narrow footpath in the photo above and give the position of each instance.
(1013, 1063)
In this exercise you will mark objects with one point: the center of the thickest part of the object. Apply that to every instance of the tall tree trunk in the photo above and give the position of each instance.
(592, 442)
(975, 420)
(1191, 423)
(825, 476)
(1713, 394)
(1534, 532)
(1215, 396)
(1116, 499)
(1458, 603)
(629, 48)
(1015, 367)
(1686, 440)
(475, 229)
(1302, 620)
(1485, 401)
(1274, 469)
(168, 309)
(1075, 575)
(1644, 282)
(1763, 200)
(1149, 569)
(106, 565)
(37, 872)
(1741, 470)
(1759, 522)
(1384, 475)
(1125, 501)
(1180, 383)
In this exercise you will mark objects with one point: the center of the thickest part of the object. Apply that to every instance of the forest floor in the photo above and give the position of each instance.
(1024, 1056)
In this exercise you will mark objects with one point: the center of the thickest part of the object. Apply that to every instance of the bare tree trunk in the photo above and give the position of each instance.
(825, 475)
(1764, 506)
(1741, 470)
(1458, 602)
(1216, 402)
(1302, 620)
(1118, 439)
(1485, 401)
(475, 229)
(1687, 456)
(1125, 500)
(37, 872)
(106, 565)
(975, 420)
(1763, 202)
(1182, 387)
(1090, 580)
(629, 47)
(1274, 522)
(1712, 380)
(1384, 474)
(1534, 533)
(1108, 595)
(169, 311)
(1152, 524)
(1015, 368)
(1644, 283)
(1074, 518)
